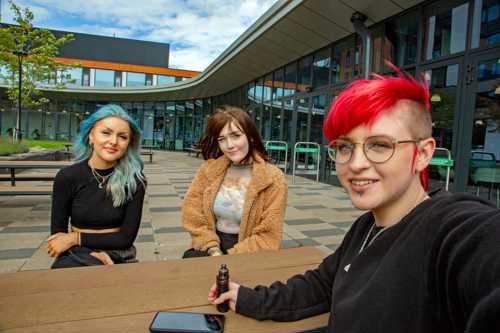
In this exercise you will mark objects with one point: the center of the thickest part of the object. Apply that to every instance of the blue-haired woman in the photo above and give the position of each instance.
(97, 202)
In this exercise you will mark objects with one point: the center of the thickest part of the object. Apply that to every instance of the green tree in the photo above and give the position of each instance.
(28, 53)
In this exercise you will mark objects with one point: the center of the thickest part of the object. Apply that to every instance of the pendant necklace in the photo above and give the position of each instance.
(101, 180)
(367, 243)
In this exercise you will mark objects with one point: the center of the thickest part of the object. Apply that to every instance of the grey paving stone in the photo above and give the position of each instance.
(27, 204)
(144, 238)
(308, 193)
(333, 247)
(14, 230)
(16, 253)
(347, 209)
(307, 242)
(170, 230)
(288, 243)
(309, 207)
(164, 209)
(343, 224)
(5, 223)
(304, 221)
(323, 232)
(163, 195)
(41, 208)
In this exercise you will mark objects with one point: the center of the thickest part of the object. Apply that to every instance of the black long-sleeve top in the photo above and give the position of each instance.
(437, 270)
(77, 198)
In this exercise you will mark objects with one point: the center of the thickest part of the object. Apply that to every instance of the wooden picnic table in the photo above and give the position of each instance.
(13, 166)
(147, 151)
(125, 298)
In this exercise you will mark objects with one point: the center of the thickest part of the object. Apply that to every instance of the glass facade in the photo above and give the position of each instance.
(446, 32)
(104, 78)
(136, 79)
(290, 102)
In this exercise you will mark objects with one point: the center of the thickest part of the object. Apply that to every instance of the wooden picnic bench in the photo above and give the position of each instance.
(25, 190)
(29, 176)
(194, 149)
(147, 151)
(14, 166)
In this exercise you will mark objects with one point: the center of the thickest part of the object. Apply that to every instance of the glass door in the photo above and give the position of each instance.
(483, 130)
(443, 80)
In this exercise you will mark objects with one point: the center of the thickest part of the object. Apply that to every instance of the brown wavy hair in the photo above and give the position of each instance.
(230, 114)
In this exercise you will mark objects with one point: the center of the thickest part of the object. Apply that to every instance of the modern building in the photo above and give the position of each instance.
(287, 68)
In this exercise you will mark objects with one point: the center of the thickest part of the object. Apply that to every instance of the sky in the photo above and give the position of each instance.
(197, 30)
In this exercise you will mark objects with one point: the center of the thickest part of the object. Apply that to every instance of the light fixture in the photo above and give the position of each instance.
(64, 111)
(497, 91)
(435, 98)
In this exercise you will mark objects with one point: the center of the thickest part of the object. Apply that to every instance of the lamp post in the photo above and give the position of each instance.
(21, 51)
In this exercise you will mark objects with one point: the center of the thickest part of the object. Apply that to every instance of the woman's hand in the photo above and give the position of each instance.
(231, 295)
(103, 257)
(60, 242)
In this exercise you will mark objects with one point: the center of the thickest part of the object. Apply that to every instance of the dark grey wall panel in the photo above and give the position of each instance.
(117, 50)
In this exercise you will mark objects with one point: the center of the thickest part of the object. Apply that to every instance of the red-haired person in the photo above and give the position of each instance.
(236, 203)
(415, 262)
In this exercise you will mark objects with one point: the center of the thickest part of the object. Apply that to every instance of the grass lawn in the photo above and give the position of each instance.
(8, 148)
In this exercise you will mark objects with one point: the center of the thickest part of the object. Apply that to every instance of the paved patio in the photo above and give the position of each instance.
(317, 214)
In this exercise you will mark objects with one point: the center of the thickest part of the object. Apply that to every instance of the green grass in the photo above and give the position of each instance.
(45, 144)
(8, 148)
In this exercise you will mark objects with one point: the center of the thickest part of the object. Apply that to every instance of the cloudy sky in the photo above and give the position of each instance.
(197, 30)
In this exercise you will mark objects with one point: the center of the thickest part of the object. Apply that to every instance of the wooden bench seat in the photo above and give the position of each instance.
(148, 153)
(29, 176)
(25, 190)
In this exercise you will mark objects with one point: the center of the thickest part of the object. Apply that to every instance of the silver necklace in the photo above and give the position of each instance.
(101, 180)
(365, 243)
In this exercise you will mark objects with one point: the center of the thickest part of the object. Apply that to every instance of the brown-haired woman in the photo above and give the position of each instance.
(237, 201)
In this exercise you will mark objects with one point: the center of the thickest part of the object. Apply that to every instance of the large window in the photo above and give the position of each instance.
(400, 44)
(446, 32)
(73, 77)
(290, 79)
(165, 79)
(443, 86)
(278, 84)
(304, 74)
(268, 87)
(136, 79)
(321, 67)
(104, 78)
(345, 61)
(486, 26)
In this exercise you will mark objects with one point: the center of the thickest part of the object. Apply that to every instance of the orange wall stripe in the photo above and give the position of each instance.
(127, 67)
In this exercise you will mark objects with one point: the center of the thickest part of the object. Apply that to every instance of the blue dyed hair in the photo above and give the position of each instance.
(128, 170)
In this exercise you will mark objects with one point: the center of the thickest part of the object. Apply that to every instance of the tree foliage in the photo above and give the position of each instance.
(36, 48)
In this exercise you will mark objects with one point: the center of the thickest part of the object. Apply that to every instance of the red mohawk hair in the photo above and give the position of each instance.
(364, 101)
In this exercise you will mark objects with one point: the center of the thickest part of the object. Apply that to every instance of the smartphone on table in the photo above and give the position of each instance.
(187, 322)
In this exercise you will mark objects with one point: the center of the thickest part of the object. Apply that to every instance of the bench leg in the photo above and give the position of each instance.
(13, 177)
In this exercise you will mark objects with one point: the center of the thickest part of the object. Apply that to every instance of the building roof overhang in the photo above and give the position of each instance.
(286, 32)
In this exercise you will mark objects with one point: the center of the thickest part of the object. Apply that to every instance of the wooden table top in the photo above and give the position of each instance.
(125, 298)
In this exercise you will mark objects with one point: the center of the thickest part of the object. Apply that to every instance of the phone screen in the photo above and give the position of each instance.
(187, 322)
